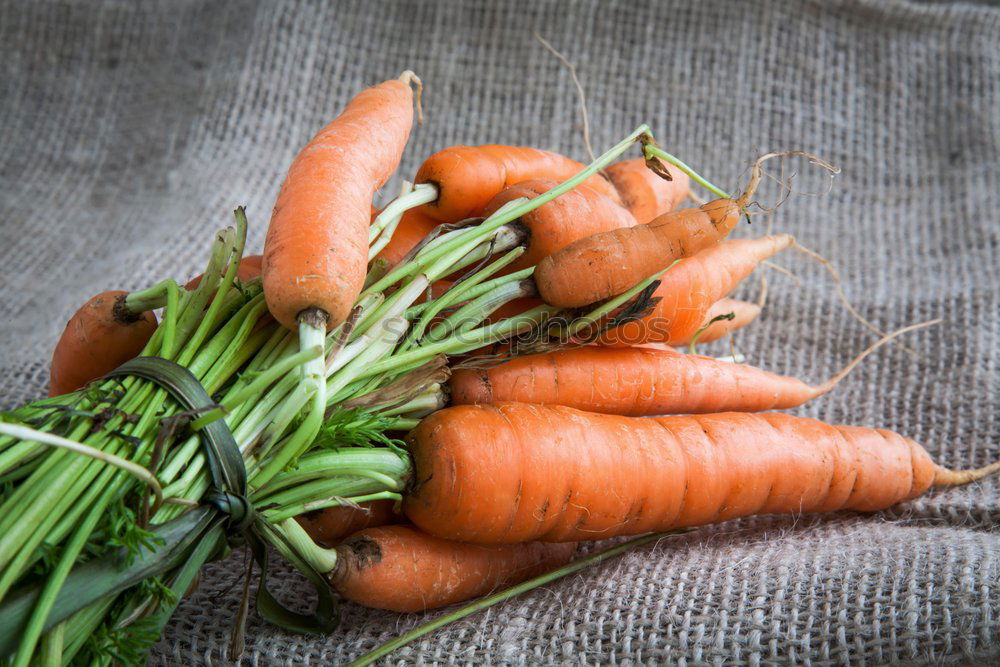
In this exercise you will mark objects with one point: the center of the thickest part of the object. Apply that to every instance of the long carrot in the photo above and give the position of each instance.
(555, 224)
(645, 194)
(316, 249)
(330, 525)
(517, 472)
(722, 318)
(691, 288)
(637, 382)
(402, 569)
(467, 177)
(603, 265)
(99, 337)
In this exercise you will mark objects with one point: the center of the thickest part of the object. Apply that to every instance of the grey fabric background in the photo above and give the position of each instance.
(130, 130)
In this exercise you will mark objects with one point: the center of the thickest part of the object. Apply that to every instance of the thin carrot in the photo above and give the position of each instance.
(724, 317)
(248, 269)
(644, 193)
(691, 288)
(99, 337)
(316, 249)
(517, 472)
(638, 381)
(555, 224)
(330, 525)
(467, 177)
(605, 264)
(402, 569)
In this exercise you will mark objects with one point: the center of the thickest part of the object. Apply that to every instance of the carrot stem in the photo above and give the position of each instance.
(150, 298)
(347, 354)
(319, 558)
(411, 197)
(169, 322)
(29, 434)
(290, 511)
(311, 338)
(391, 467)
(391, 307)
(487, 602)
(650, 151)
(477, 310)
(53, 582)
(455, 294)
(259, 384)
(228, 342)
(338, 481)
(193, 325)
(502, 239)
(461, 342)
(402, 424)
(475, 289)
(423, 404)
(386, 334)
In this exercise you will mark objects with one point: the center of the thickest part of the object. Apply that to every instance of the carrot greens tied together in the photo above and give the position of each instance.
(299, 400)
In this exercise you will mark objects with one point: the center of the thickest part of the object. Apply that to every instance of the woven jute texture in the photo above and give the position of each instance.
(129, 131)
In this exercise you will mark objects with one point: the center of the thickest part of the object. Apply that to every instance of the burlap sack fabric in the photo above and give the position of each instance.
(130, 132)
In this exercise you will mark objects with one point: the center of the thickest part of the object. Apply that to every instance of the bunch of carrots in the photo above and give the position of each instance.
(416, 405)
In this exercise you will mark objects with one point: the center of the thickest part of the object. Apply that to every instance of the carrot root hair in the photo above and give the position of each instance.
(762, 297)
(581, 96)
(832, 382)
(837, 286)
(409, 77)
(782, 270)
(944, 477)
(764, 266)
(757, 171)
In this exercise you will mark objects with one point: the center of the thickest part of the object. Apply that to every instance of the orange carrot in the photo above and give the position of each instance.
(517, 472)
(412, 229)
(555, 224)
(691, 288)
(248, 269)
(101, 336)
(717, 323)
(330, 525)
(645, 194)
(637, 381)
(401, 569)
(603, 265)
(316, 249)
(467, 177)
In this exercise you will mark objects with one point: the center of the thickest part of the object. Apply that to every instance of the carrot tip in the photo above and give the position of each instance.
(409, 77)
(946, 477)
